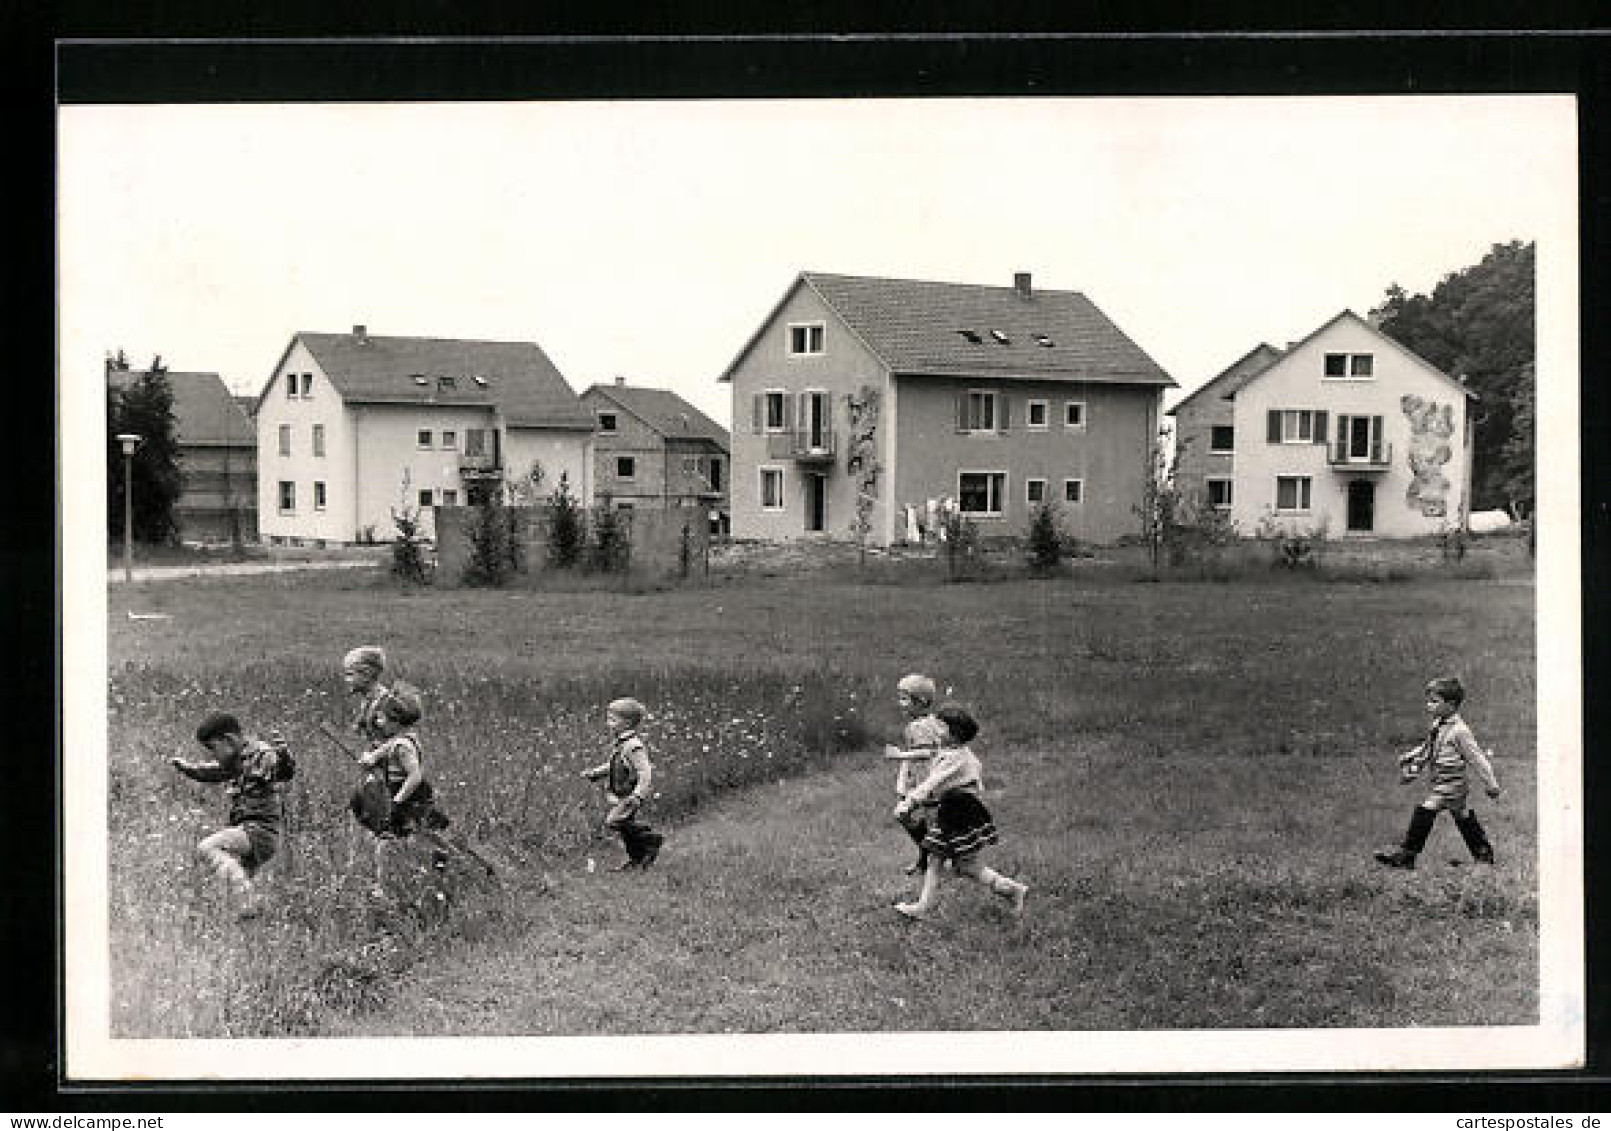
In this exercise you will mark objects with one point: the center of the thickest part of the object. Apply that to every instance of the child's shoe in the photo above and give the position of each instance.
(1396, 858)
(651, 850)
(627, 866)
(911, 910)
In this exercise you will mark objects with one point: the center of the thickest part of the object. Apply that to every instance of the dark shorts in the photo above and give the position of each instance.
(961, 825)
(418, 812)
(265, 840)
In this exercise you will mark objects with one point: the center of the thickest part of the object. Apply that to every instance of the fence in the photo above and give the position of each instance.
(663, 542)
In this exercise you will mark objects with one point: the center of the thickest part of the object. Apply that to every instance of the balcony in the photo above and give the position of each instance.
(805, 445)
(1375, 457)
(480, 466)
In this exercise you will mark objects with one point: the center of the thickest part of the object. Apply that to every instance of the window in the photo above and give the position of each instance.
(773, 409)
(1001, 337)
(287, 496)
(971, 336)
(715, 474)
(307, 385)
(607, 422)
(977, 412)
(1073, 490)
(1073, 414)
(1292, 492)
(450, 440)
(1349, 366)
(1297, 426)
(475, 442)
(445, 382)
(981, 492)
(1043, 340)
(291, 386)
(1222, 439)
(625, 467)
(318, 439)
(771, 488)
(1219, 494)
(1035, 491)
(318, 495)
(424, 438)
(1037, 414)
(450, 497)
(425, 497)
(806, 338)
(285, 439)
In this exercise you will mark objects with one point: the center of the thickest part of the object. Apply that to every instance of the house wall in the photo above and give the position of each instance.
(559, 452)
(1109, 454)
(632, 437)
(337, 522)
(844, 367)
(1297, 382)
(218, 479)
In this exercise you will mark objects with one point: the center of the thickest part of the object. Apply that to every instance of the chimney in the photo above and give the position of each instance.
(620, 380)
(361, 332)
(1020, 283)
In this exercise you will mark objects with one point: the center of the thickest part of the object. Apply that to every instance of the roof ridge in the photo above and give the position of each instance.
(938, 283)
(421, 338)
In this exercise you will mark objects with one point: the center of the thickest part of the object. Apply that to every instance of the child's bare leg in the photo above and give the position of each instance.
(928, 893)
(225, 852)
(1005, 886)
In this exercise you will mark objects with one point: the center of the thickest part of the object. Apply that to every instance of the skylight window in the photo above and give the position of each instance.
(419, 379)
(971, 335)
(445, 381)
(1000, 337)
(480, 380)
(1043, 340)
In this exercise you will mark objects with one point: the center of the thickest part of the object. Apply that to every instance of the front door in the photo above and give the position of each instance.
(816, 503)
(1361, 505)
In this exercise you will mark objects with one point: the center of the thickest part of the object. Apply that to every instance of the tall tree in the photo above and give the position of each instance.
(1477, 325)
(144, 407)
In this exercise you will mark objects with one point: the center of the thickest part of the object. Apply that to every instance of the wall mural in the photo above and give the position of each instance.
(1431, 426)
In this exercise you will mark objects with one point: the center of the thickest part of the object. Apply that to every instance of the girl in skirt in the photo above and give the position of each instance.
(962, 826)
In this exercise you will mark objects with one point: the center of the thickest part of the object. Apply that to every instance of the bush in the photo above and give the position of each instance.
(1044, 543)
(408, 548)
(961, 541)
(612, 542)
(495, 545)
(567, 530)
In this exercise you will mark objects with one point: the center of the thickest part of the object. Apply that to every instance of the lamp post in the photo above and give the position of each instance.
(129, 442)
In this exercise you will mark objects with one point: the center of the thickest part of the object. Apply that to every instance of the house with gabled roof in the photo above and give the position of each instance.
(352, 427)
(1205, 430)
(1346, 431)
(651, 448)
(998, 398)
(217, 454)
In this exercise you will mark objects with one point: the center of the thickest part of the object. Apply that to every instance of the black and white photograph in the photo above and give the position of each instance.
(858, 586)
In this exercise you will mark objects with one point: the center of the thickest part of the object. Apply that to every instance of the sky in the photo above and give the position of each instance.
(649, 240)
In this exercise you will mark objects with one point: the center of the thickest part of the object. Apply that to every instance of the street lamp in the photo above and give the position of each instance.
(129, 442)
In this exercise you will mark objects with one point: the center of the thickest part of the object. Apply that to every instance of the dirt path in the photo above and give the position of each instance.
(234, 569)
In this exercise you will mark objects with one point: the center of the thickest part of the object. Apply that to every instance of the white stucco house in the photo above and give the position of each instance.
(352, 427)
(1345, 430)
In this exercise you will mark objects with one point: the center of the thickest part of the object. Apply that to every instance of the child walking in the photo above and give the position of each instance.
(627, 776)
(1451, 751)
(962, 826)
(255, 771)
(921, 737)
(397, 761)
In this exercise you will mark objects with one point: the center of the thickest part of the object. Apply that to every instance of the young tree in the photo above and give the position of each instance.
(1044, 543)
(567, 530)
(1477, 325)
(144, 407)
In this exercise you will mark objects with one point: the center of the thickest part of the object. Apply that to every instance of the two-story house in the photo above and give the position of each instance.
(997, 398)
(352, 427)
(1205, 431)
(652, 448)
(217, 455)
(1344, 430)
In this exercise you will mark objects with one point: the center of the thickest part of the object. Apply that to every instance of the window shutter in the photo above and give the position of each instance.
(1003, 415)
(756, 408)
(962, 411)
(788, 413)
(1376, 438)
(802, 415)
(1275, 426)
(1320, 427)
(1344, 434)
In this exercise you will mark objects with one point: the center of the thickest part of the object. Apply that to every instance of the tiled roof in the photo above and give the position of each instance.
(204, 411)
(514, 377)
(665, 412)
(1236, 374)
(918, 327)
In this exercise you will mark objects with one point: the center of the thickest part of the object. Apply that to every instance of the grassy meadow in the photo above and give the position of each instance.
(1191, 777)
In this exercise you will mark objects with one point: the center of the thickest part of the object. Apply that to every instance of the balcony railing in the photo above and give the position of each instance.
(1343, 458)
(479, 466)
(807, 445)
